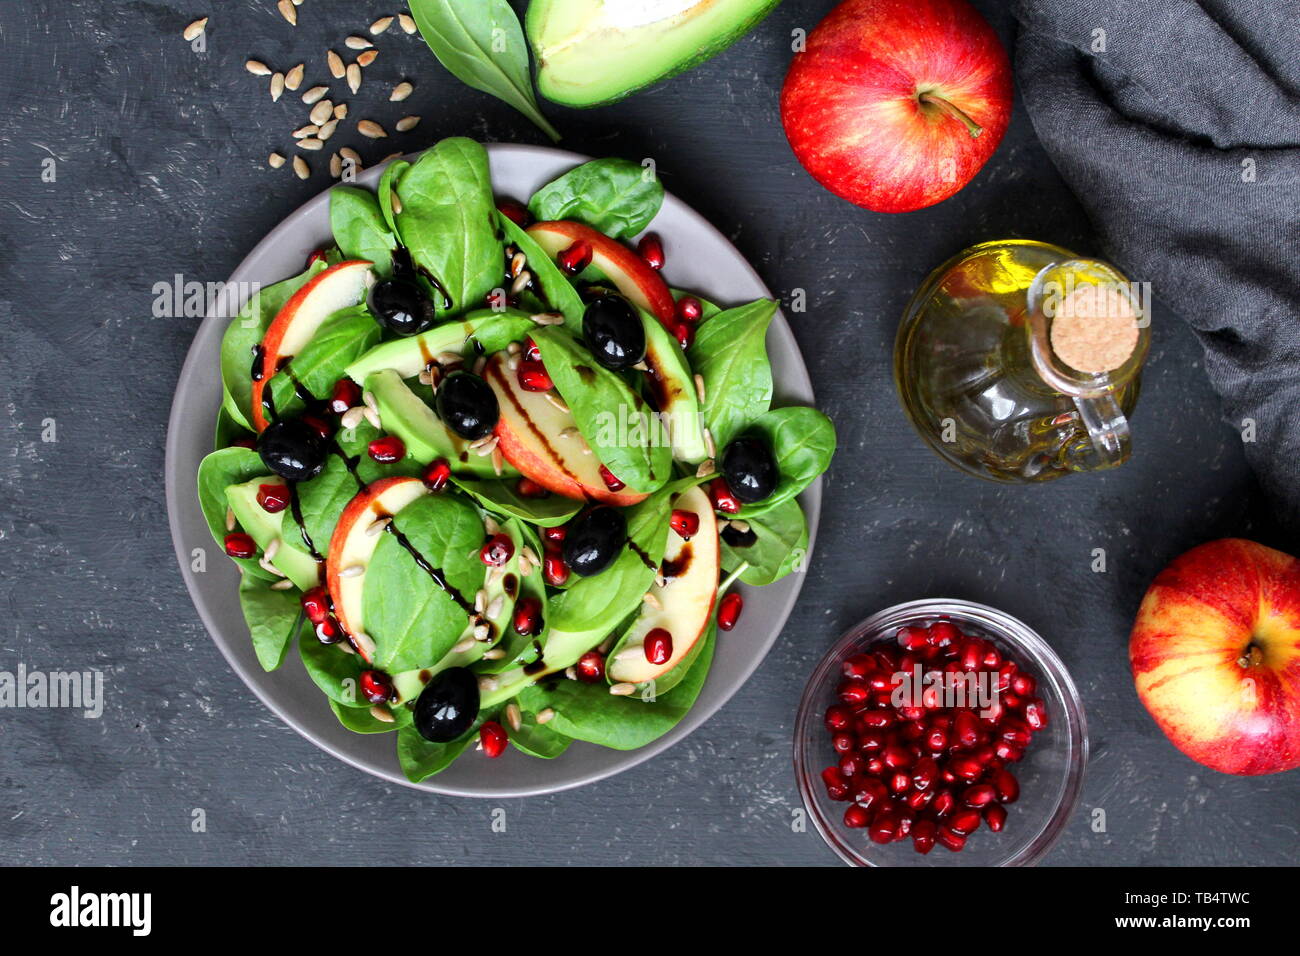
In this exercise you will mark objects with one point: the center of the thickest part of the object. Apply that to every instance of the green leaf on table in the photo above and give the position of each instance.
(616, 196)
(482, 44)
(730, 354)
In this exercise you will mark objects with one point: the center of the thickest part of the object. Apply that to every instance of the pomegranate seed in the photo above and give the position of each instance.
(554, 570)
(944, 803)
(689, 309)
(1036, 714)
(924, 772)
(531, 352)
(722, 498)
(852, 691)
(527, 488)
(651, 249)
(852, 764)
(1006, 676)
(869, 791)
(904, 827)
(729, 610)
(877, 719)
(937, 739)
(944, 633)
(1023, 684)
(533, 377)
(516, 212)
(965, 729)
(980, 795)
(991, 657)
(328, 631)
(347, 394)
(240, 545)
(243, 443)
(859, 665)
(684, 333)
(995, 816)
(1012, 700)
(918, 799)
(575, 258)
(685, 523)
(883, 827)
(375, 686)
(1008, 787)
(273, 498)
(528, 617)
(875, 766)
(971, 654)
(497, 551)
(950, 840)
(590, 667)
(896, 756)
(838, 717)
(842, 742)
(318, 425)
(837, 788)
(318, 256)
(923, 832)
(658, 646)
(316, 604)
(856, 816)
(612, 483)
(493, 738)
(912, 638)
(437, 474)
(556, 534)
(900, 782)
(387, 450)
(965, 821)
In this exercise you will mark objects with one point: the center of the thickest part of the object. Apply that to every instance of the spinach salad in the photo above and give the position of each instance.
(489, 476)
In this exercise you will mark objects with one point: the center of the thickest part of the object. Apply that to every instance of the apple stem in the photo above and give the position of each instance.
(1251, 656)
(930, 99)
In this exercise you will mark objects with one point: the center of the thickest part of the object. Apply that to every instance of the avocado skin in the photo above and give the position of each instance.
(532, 25)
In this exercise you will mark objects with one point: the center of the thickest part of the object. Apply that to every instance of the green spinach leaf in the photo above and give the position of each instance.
(616, 196)
(448, 222)
(554, 292)
(730, 353)
(803, 441)
(341, 339)
(359, 228)
(333, 670)
(274, 619)
(387, 188)
(780, 545)
(503, 498)
(538, 740)
(421, 758)
(518, 649)
(360, 721)
(482, 44)
(217, 471)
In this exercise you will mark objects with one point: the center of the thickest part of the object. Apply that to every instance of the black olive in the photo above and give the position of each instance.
(468, 405)
(293, 449)
(401, 307)
(614, 332)
(594, 540)
(750, 469)
(447, 706)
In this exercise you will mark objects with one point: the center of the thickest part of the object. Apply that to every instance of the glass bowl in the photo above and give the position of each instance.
(1050, 773)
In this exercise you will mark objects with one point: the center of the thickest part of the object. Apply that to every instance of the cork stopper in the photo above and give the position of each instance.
(1094, 328)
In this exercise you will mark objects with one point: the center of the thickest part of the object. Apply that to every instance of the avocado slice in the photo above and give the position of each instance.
(671, 387)
(407, 416)
(490, 330)
(593, 52)
(291, 557)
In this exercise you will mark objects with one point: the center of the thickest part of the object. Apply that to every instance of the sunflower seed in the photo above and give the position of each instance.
(495, 654)
(367, 58)
(352, 417)
(353, 571)
(498, 461)
(289, 12)
(194, 29)
(407, 123)
(377, 526)
(450, 359)
(257, 68)
(321, 112)
(548, 318)
(371, 129)
(623, 690)
(571, 673)
(513, 717)
(494, 607)
(490, 526)
(364, 644)
(328, 129)
(513, 348)
(355, 42)
(372, 416)
(660, 580)
(335, 63)
(311, 129)
(631, 652)
(480, 599)
(345, 647)
(709, 445)
(545, 715)
(400, 92)
(653, 601)
(315, 94)
(277, 87)
(282, 585)
(517, 263)
(396, 200)
(293, 79)
(407, 23)
(699, 387)
(706, 468)
(482, 632)
(267, 566)
(340, 113)
(368, 398)
(530, 554)
(336, 166)
(554, 400)
(301, 168)
(487, 683)
(741, 527)
(522, 281)
(570, 431)
(230, 513)
(468, 644)
(312, 143)
(382, 713)
(354, 77)
(486, 449)
(272, 550)
(380, 25)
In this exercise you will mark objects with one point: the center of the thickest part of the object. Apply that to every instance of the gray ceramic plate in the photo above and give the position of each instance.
(699, 258)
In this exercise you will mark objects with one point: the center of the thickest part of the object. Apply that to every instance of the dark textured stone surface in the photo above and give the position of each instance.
(160, 157)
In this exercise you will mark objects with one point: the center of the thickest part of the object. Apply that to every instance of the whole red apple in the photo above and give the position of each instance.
(896, 104)
(1216, 655)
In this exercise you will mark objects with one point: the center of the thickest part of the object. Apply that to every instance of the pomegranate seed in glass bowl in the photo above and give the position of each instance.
(991, 784)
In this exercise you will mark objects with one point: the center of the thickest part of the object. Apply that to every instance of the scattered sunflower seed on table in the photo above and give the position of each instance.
(192, 31)
(289, 11)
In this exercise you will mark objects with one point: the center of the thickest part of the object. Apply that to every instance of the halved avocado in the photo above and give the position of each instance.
(483, 329)
(291, 557)
(407, 416)
(672, 389)
(592, 52)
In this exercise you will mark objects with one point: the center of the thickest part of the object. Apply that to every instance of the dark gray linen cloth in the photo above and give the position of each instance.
(1177, 124)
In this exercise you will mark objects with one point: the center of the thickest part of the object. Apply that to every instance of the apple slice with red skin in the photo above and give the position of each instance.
(686, 598)
(338, 287)
(533, 435)
(631, 275)
(351, 546)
